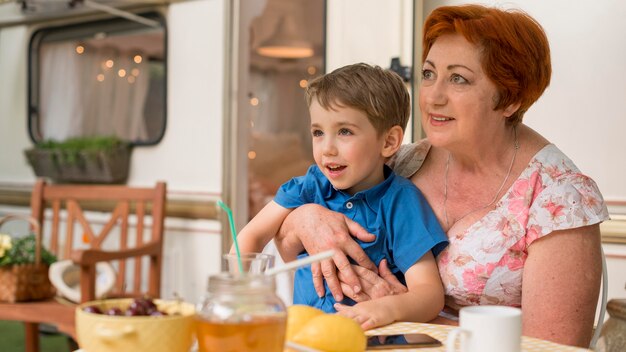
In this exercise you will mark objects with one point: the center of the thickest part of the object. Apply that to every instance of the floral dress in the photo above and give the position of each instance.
(485, 263)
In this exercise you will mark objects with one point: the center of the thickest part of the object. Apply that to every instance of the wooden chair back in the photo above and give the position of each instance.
(133, 229)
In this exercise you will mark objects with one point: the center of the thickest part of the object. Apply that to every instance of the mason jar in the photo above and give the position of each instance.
(241, 313)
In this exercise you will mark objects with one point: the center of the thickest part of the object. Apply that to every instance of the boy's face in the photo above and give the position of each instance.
(346, 147)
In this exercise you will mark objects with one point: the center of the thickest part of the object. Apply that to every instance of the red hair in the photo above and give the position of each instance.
(514, 47)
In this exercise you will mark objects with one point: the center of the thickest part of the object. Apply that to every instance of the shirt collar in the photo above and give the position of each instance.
(372, 196)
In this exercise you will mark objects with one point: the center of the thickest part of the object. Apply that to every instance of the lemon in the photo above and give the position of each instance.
(297, 316)
(332, 333)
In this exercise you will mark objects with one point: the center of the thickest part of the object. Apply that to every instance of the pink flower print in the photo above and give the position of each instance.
(519, 210)
(554, 209)
(519, 245)
(519, 188)
(537, 185)
(462, 259)
(474, 280)
(514, 260)
(553, 171)
(532, 234)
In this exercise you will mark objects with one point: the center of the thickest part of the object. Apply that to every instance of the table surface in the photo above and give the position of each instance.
(440, 332)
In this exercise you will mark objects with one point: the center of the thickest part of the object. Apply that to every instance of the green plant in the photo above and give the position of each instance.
(70, 149)
(22, 251)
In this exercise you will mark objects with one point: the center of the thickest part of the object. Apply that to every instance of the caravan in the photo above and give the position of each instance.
(188, 84)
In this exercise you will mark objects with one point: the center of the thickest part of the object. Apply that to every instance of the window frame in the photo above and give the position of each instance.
(111, 25)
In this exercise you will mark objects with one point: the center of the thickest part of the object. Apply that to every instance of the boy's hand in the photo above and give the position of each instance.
(368, 314)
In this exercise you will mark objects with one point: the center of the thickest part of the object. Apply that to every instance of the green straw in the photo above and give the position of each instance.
(233, 232)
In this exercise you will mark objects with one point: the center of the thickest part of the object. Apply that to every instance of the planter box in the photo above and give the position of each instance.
(109, 166)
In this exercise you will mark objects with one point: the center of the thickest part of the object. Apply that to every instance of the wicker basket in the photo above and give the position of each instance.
(25, 282)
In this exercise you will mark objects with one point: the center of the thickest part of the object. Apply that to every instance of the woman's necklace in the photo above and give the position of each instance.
(495, 197)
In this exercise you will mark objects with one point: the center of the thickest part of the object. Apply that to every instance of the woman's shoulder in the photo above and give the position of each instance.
(409, 158)
(553, 164)
(562, 197)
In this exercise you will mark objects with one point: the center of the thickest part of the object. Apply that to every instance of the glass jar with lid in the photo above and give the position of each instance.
(241, 313)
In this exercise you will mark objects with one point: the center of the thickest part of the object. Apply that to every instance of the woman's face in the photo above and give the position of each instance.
(456, 97)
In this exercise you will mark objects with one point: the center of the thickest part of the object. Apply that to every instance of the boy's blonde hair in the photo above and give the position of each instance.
(379, 93)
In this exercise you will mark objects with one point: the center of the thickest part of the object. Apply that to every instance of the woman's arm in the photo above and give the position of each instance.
(317, 229)
(561, 285)
(421, 303)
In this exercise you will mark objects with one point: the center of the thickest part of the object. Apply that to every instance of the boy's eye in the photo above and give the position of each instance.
(427, 74)
(345, 132)
(458, 79)
(316, 133)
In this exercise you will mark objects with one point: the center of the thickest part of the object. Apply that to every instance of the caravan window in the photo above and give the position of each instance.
(103, 78)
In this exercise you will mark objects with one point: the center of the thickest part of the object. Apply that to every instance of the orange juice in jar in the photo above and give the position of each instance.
(259, 335)
(241, 313)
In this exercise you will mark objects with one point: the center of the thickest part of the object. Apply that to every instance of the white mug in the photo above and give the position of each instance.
(487, 329)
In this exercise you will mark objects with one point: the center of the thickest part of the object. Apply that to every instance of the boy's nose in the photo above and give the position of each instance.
(329, 147)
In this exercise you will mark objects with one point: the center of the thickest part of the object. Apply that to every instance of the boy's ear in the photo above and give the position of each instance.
(393, 140)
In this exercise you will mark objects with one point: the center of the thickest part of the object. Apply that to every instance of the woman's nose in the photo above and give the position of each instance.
(434, 93)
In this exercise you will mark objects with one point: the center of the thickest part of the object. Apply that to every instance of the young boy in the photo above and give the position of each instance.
(358, 116)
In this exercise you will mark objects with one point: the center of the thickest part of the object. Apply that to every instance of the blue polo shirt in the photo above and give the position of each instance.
(395, 211)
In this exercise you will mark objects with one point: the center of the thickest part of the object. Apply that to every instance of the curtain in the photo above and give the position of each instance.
(100, 92)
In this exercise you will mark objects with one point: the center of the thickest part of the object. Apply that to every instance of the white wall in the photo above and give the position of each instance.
(370, 31)
(190, 156)
(584, 110)
(13, 123)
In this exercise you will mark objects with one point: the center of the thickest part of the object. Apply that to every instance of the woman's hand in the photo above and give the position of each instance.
(373, 284)
(317, 229)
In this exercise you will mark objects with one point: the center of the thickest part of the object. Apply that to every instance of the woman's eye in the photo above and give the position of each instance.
(316, 133)
(458, 79)
(427, 74)
(345, 132)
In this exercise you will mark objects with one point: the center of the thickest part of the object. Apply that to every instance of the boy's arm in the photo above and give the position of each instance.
(421, 303)
(261, 229)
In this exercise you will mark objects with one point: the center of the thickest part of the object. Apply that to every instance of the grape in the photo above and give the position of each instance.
(133, 312)
(138, 307)
(92, 309)
(115, 311)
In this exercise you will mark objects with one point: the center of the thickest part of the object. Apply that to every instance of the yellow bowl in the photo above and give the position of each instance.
(103, 333)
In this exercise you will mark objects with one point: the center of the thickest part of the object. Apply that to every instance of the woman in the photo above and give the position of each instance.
(514, 207)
